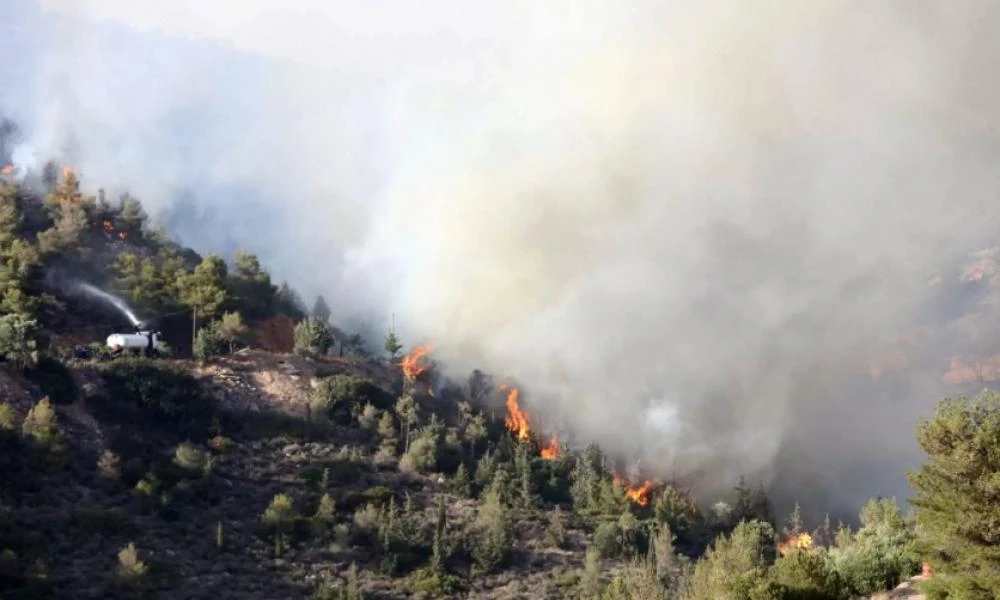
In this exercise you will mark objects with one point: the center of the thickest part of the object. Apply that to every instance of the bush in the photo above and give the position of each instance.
(189, 458)
(109, 466)
(736, 566)
(40, 424)
(54, 379)
(209, 342)
(878, 556)
(606, 540)
(98, 350)
(154, 394)
(339, 396)
(422, 455)
(805, 575)
(130, 567)
(279, 518)
(312, 338)
(8, 418)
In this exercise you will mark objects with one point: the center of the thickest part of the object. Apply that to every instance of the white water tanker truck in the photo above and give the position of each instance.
(149, 342)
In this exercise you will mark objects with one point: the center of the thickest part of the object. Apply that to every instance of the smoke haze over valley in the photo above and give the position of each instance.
(688, 232)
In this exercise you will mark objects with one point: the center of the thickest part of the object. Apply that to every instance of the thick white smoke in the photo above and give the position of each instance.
(679, 225)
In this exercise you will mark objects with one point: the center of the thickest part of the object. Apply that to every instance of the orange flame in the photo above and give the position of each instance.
(122, 235)
(516, 421)
(638, 494)
(552, 450)
(67, 172)
(7, 170)
(412, 366)
(802, 541)
(108, 225)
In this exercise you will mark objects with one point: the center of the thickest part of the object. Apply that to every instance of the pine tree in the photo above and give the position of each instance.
(131, 216)
(40, 424)
(387, 427)
(320, 310)
(525, 485)
(251, 287)
(460, 483)
(494, 537)
(21, 340)
(20, 261)
(204, 289)
(584, 482)
(793, 524)
(289, 301)
(555, 533)
(475, 431)
(392, 345)
(406, 409)
(958, 499)
(390, 529)
(439, 551)
(325, 510)
(10, 134)
(279, 516)
(485, 469)
(590, 579)
(232, 329)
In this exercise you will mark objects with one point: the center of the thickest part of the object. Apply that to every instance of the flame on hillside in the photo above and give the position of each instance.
(552, 450)
(802, 541)
(413, 364)
(638, 494)
(7, 170)
(109, 227)
(122, 235)
(516, 421)
(67, 172)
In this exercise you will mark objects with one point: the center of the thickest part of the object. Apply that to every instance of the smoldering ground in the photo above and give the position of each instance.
(685, 229)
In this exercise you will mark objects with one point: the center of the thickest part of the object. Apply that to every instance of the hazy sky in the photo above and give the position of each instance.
(679, 225)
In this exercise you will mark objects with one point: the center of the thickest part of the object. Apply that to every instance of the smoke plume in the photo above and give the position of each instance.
(683, 227)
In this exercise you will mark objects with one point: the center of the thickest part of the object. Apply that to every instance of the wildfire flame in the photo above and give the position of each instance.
(122, 235)
(67, 172)
(7, 170)
(516, 421)
(412, 365)
(108, 225)
(802, 541)
(638, 494)
(552, 450)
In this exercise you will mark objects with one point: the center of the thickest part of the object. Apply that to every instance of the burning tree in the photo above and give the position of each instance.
(638, 494)
(551, 451)
(516, 421)
(414, 364)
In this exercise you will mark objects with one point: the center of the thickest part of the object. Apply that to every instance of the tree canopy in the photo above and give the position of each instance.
(958, 497)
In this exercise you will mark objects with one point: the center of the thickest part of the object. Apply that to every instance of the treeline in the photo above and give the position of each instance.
(60, 230)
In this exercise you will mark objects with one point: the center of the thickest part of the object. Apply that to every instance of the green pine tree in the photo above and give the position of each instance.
(958, 498)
